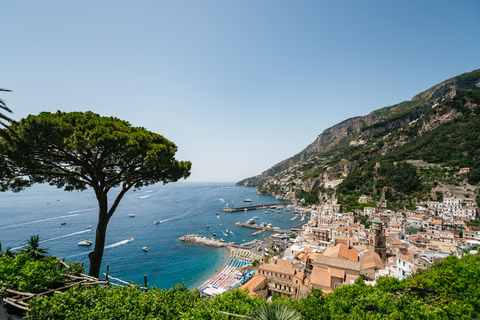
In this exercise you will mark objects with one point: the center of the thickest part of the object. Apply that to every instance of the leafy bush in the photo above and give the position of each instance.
(28, 274)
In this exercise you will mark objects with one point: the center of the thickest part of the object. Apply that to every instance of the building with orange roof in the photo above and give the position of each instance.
(341, 251)
(279, 279)
(257, 286)
(371, 264)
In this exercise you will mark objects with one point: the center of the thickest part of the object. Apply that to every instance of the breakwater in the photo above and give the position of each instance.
(195, 238)
(263, 229)
(260, 206)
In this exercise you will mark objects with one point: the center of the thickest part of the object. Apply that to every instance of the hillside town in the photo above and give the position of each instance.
(333, 249)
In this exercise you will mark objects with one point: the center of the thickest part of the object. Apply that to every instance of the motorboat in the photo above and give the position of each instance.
(228, 230)
(217, 213)
(130, 239)
(214, 234)
(131, 215)
(145, 249)
(63, 223)
(85, 242)
(208, 226)
(89, 227)
(247, 200)
(156, 222)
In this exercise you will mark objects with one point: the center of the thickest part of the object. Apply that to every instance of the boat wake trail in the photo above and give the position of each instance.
(42, 220)
(81, 210)
(174, 218)
(226, 235)
(116, 244)
(143, 197)
(221, 200)
(67, 235)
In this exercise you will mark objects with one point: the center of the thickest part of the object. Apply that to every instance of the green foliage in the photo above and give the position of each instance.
(455, 284)
(293, 236)
(5, 132)
(277, 312)
(28, 274)
(129, 302)
(455, 143)
(311, 197)
(32, 249)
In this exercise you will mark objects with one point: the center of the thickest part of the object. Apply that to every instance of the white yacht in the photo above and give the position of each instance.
(156, 222)
(85, 242)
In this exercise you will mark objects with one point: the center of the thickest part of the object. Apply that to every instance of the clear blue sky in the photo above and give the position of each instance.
(238, 85)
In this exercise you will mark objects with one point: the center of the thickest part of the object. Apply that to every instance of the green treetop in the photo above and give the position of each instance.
(77, 150)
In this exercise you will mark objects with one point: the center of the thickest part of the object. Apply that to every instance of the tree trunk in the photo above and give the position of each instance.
(97, 254)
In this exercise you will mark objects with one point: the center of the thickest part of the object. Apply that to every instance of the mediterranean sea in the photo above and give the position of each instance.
(61, 219)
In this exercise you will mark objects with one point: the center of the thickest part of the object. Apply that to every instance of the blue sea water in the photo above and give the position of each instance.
(182, 207)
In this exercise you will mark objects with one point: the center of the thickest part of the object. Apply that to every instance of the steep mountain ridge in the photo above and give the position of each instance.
(340, 149)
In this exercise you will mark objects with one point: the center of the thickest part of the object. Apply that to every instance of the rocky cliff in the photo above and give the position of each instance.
(339, 149)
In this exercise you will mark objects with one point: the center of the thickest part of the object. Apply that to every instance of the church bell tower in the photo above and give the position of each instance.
(377, 239)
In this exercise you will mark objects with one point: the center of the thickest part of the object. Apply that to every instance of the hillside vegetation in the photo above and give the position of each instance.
(449, 290)
(438, 126)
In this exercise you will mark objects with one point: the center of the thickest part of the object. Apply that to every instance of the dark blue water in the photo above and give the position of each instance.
(183, 208)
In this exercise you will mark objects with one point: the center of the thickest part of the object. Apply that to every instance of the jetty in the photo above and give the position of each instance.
(195, 238)
(262, 229)
(260, 206)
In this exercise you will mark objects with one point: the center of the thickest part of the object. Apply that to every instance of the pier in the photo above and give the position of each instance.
(262, 229)
(260, 206)
(195, 238)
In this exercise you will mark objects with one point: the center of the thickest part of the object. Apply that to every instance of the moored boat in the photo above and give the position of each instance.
(145, 249)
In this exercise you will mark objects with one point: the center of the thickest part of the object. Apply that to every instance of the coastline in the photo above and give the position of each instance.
(219, 267)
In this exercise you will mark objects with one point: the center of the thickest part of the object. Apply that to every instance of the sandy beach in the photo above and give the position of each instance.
(225, 276)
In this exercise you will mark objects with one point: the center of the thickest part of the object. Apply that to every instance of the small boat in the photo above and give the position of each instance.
(156, 222)
(145, 249)
(228, 230)
(214, 234)
(85, 242)
(216, 213)
(63, 223)
(208, 226)
(131, 215)
(89, 227)
(221, 240)
(130, 239)
(247, 200)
